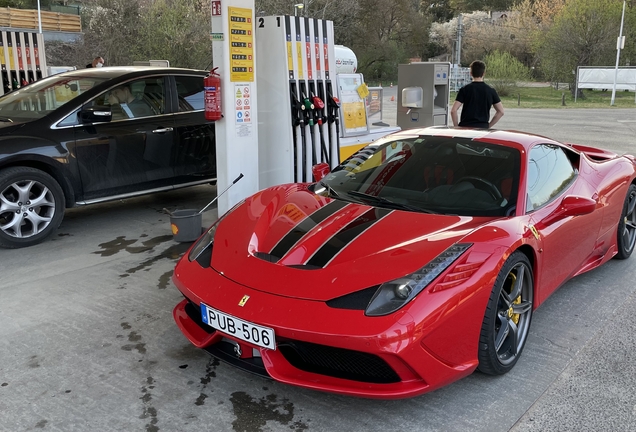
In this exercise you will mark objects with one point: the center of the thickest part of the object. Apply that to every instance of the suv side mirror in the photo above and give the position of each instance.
(96, 114)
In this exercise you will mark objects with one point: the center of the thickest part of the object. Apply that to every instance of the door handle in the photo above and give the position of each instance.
(164, 130)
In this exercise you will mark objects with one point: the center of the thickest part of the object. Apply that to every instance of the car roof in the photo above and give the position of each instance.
(117, 71)
(493, 136)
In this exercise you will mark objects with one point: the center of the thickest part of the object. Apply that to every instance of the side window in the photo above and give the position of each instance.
(549, 173)
(190, 93)
(135, 99)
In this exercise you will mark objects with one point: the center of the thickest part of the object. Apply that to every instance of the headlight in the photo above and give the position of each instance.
(204, 241)
(207, 239)
(391, 296)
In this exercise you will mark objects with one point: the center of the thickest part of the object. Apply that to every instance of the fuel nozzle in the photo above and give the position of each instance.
(307, 105)
(333, 102)
(318, 103)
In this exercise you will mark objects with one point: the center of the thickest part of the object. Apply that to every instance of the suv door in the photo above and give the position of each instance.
(133, 152)
(195, 150)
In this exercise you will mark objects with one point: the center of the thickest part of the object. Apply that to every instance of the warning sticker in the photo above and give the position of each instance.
(243, 109)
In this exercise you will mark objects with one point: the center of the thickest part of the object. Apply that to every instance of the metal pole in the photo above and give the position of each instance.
(39, 17)
(459, 40)
(618, 53)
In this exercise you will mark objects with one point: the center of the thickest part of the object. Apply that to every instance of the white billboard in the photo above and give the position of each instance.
(603, 78)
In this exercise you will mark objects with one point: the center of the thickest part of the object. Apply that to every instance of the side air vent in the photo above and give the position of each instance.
(358, 300)
(266, 257)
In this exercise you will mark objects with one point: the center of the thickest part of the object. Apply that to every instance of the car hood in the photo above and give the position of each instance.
(288, 241)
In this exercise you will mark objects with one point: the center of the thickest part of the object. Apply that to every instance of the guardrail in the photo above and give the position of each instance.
(28, 19)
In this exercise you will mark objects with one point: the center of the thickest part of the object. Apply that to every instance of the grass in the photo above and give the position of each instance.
(548, 97)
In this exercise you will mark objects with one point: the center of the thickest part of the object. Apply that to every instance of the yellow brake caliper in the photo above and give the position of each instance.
(513, 316)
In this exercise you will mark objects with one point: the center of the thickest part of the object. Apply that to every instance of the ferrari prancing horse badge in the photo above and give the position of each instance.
(244, 300)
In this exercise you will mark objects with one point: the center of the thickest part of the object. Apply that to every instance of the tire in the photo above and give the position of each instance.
(31, 206)
(626, 233)
(507, 319)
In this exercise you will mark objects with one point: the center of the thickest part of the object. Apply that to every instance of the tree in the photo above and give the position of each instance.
(583, 34)
(176, 30)
(439, 10)
(341, 12)
(111, 30)
(481, 5)
(388, 32)
(503, 71)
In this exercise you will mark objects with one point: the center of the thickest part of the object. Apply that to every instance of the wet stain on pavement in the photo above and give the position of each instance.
(41, 424)
(33, 362)
(173, 253)
(149, 412)
(253, 415)
(186, 352)
(164, 280)
(140, 347)
(121, 244)
(64, 235)
(4, 384)
(133, 336)
(201, 399)
(114, 246)
(210, 372)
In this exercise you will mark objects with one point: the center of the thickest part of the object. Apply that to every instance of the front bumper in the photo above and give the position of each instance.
(318, 347)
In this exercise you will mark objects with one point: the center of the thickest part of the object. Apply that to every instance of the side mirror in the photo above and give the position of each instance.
(320, 171)
(571, 205)
(96, 114)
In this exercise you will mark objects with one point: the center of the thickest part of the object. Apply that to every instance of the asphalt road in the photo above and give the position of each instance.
(87, 340)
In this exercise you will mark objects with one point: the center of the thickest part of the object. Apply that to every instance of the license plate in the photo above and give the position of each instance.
(240, 329)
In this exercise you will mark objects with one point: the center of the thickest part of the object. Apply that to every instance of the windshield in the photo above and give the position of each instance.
(430, 174)
(42, 97)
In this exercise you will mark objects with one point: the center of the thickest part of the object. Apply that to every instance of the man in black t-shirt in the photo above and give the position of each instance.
(477, 98)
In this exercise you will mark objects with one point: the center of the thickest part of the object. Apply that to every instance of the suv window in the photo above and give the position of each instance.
(43, 97)
(190, 92)
(550, 172)
(135, 99)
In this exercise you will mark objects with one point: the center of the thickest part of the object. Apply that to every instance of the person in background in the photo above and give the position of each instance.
(477, 98)
(97, 62)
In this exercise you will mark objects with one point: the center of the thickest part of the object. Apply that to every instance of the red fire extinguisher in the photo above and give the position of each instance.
(212, 84)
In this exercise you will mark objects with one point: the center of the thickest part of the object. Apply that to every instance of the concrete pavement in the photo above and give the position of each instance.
(87, 340)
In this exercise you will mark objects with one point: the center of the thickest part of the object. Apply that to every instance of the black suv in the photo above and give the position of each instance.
(93, 135)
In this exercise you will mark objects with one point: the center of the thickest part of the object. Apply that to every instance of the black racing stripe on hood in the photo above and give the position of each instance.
(345, 236)
(310, 222)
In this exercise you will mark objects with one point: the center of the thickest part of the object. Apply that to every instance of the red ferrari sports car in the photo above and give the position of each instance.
(416, 261)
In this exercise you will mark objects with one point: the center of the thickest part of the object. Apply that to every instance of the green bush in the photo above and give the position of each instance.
(504, 71)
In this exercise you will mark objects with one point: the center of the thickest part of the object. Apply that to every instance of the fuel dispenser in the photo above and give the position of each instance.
(22, 59)
(298, 126)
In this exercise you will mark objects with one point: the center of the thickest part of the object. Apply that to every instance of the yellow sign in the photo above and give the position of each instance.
(363, 91)
(290, 59)
(354, 115)
(299, 55)
(241, 38)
